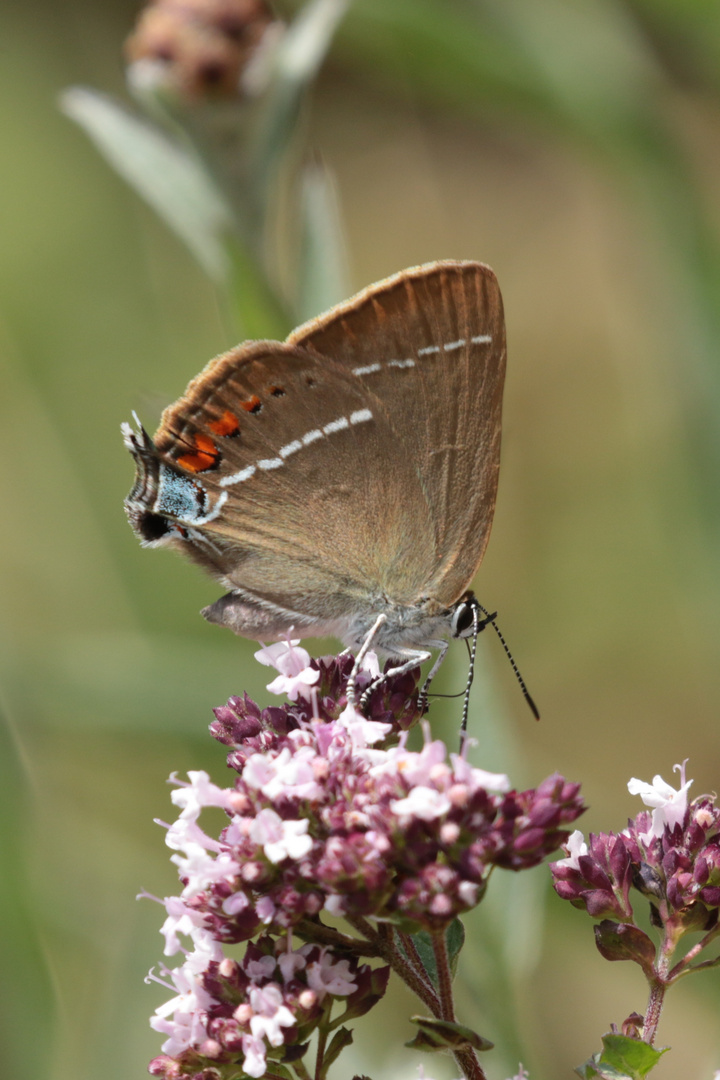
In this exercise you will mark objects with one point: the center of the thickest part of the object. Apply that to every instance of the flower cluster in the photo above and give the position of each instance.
(198, 47)
(326, 815)
(226, 1012)
(329, 812)
(671, 856)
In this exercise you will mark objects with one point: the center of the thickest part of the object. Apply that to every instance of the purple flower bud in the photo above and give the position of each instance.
(597, 879)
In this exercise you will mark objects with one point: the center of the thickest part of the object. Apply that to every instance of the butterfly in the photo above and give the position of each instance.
(342, 482)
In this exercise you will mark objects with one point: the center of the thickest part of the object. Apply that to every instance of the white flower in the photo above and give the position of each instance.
(290, 963)
(254, 1051)
(200, 792)
(371, 664)
(669, 805)
(362, 732)
(478, 778)
(425, 803)
(296, 677)
(189, 1007)
(235, 903)
(270, 1014)
(575, 847)
(329, 976)
(202, 871)
(184, 835)
(280, 839)
(180, 920)
(289, 774)
(260, 969)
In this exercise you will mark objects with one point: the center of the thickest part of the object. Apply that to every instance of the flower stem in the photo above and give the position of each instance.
(658, 986)
(412, 954)
(389, 951)
(322, 1043)
(654, 1009)
(318, 933)
(685, 965)
(444, 977)
(469, 1065)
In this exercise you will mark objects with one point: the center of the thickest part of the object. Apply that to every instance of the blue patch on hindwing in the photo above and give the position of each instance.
(179, 496)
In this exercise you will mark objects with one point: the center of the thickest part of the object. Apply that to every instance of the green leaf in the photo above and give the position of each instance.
(435, 1035)
(622, 1058)
(277, 1069)
(340, 1040)
(165, 174)
(454, 941)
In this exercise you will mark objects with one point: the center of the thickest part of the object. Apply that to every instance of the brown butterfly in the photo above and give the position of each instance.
(342, 482)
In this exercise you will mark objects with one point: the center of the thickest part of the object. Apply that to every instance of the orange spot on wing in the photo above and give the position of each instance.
(207, 455)
(253, 404)
(228, 424)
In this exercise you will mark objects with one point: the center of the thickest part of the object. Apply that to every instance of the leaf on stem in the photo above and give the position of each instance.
(340, 1040)
(167, 176)
(423, 942)
(622, 1058)
(435, 1035)
(623, 941)
(297, 59)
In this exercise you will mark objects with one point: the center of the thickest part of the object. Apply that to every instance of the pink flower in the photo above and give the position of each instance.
(270, 1014)
(280, 839)
(296, 677)
(330, 976)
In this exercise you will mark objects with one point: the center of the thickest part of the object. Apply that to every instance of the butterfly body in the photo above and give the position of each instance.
(346, 473)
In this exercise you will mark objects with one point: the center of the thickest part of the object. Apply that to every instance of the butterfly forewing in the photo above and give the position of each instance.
(430, 344)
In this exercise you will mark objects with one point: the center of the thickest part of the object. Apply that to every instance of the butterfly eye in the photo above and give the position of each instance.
(463, 620)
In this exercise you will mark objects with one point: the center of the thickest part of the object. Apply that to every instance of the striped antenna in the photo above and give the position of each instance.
(525, 692)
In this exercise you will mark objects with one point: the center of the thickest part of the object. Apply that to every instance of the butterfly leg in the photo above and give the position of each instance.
(351, 695)
(422, 697)
(415, 658)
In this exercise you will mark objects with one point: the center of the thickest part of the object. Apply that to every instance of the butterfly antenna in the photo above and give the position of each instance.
(525, 692)
(472, 652)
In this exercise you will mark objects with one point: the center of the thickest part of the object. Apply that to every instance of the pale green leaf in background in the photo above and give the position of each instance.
(167, 176)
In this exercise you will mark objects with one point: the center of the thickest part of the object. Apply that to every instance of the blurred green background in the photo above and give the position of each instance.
(574, 146)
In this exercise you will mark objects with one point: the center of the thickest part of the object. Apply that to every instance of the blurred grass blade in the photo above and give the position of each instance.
(303, 49)
(173, 183)
(322, 274)
(297, 60)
